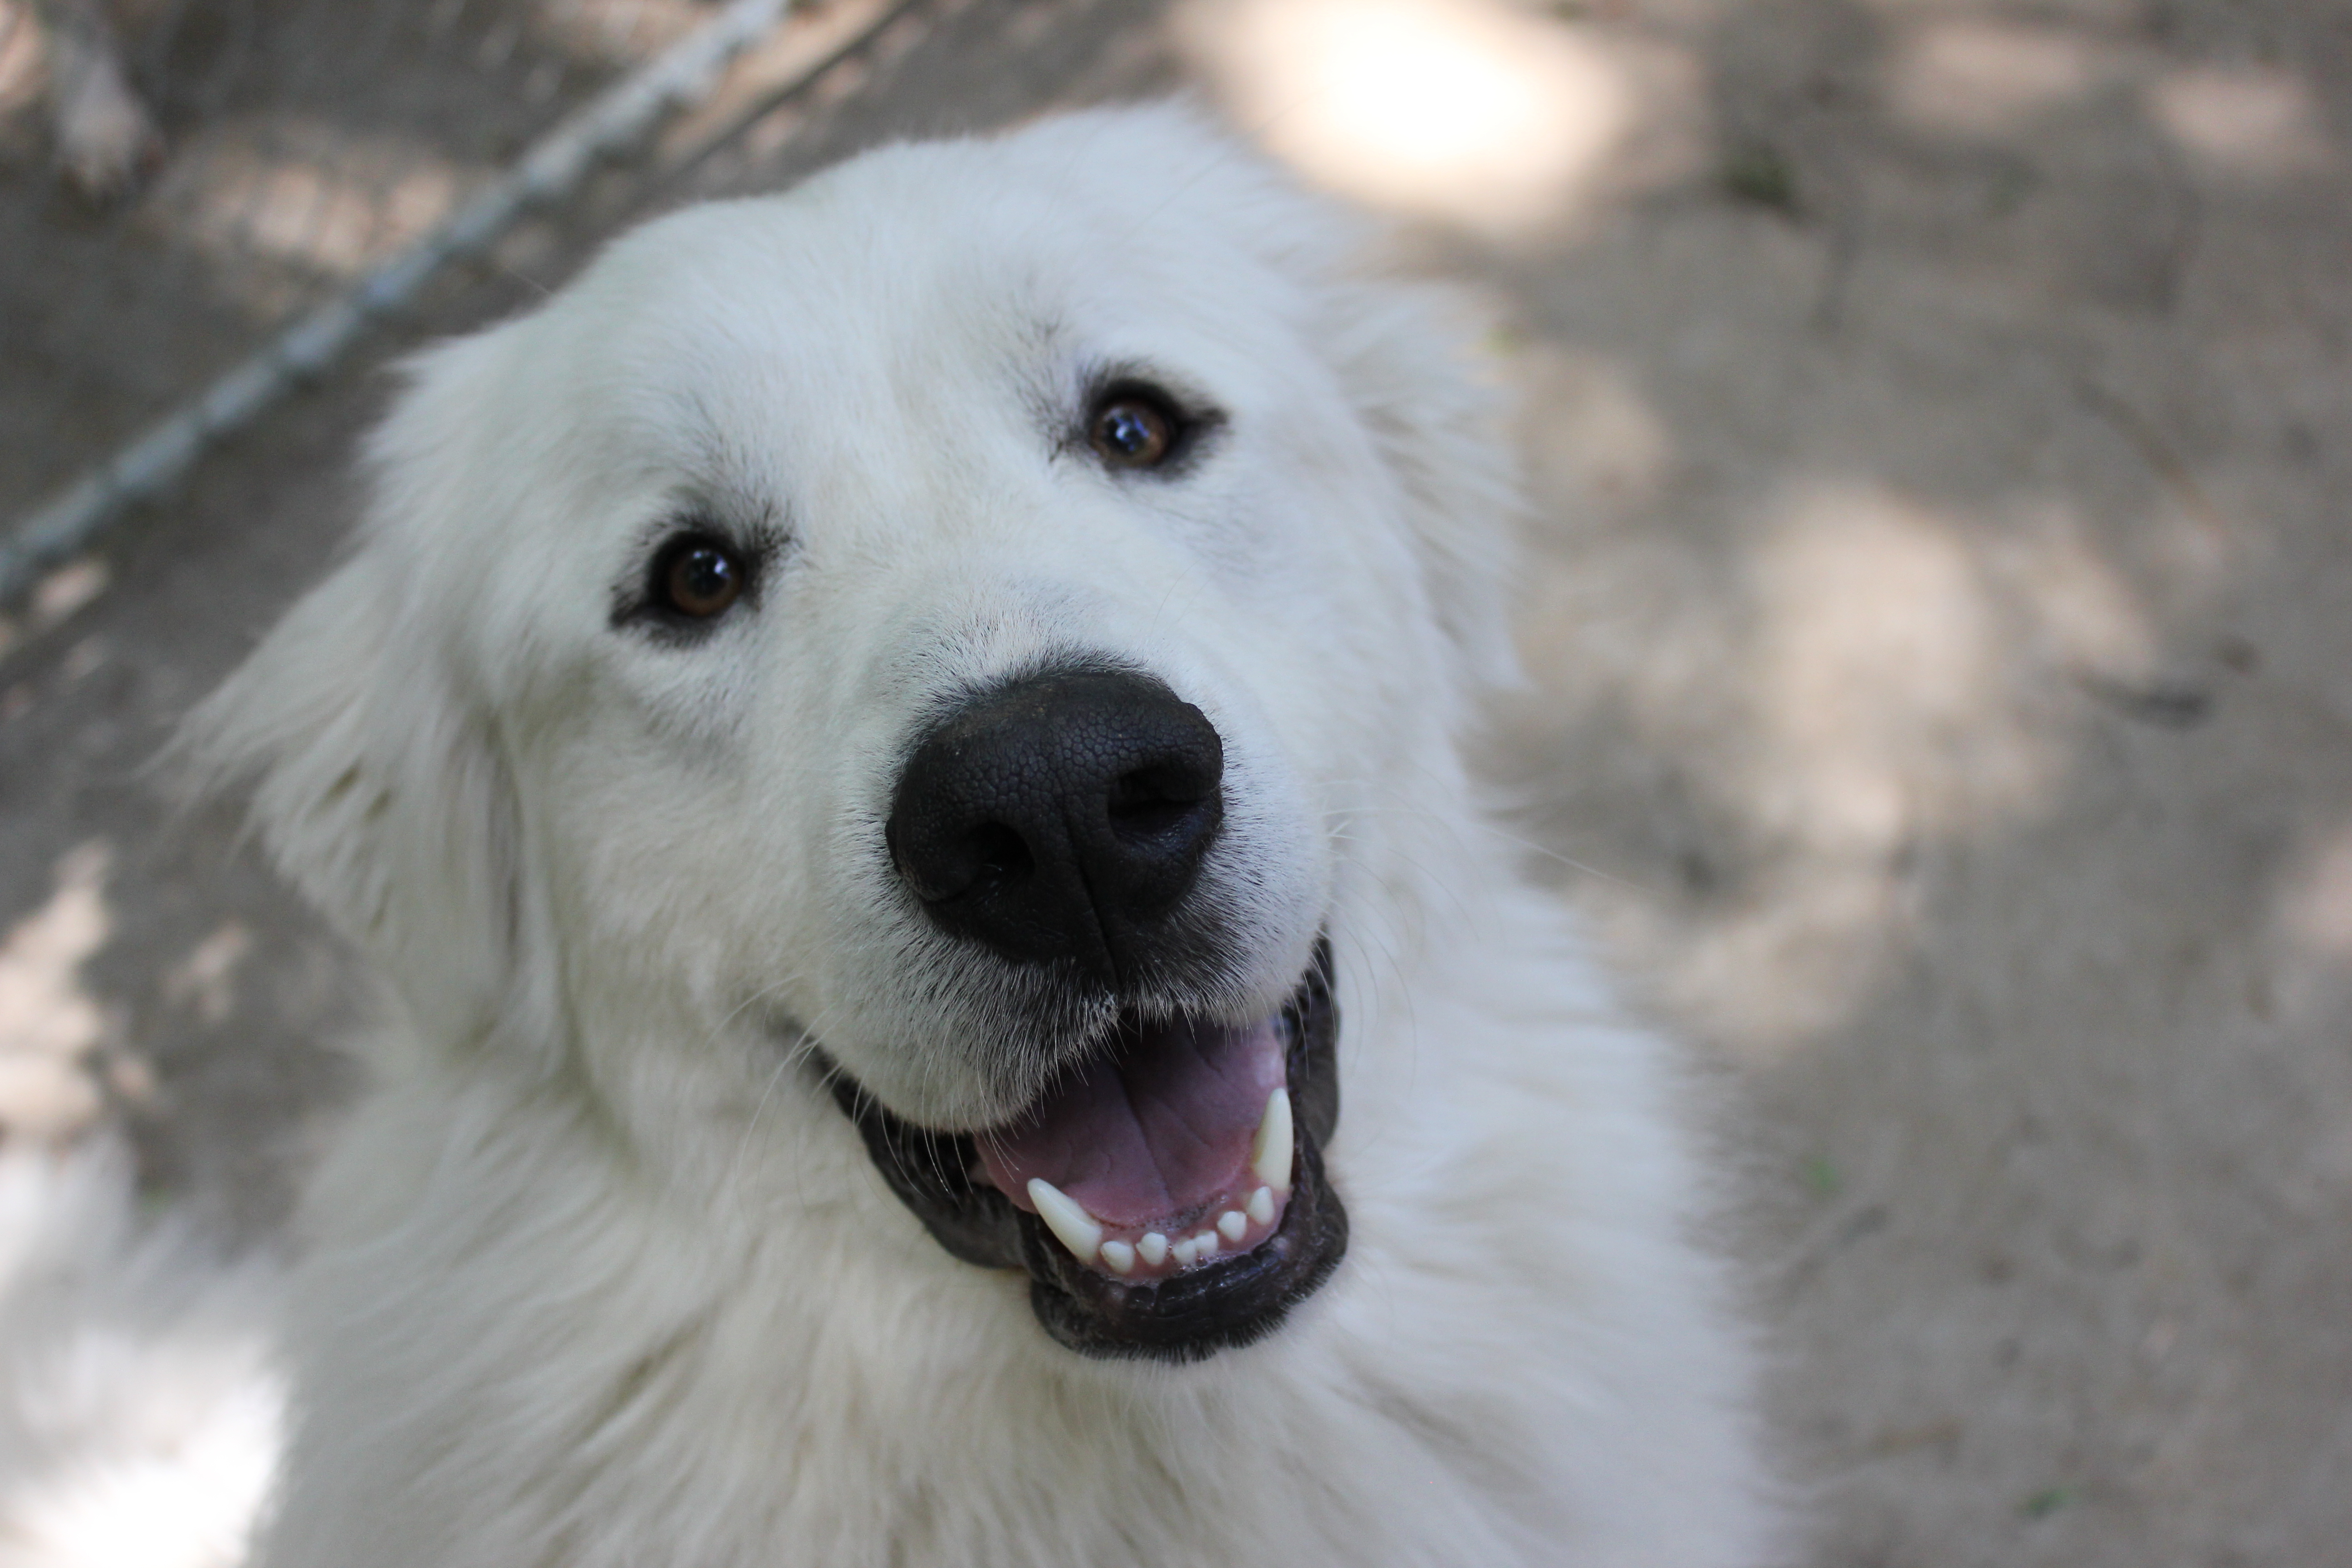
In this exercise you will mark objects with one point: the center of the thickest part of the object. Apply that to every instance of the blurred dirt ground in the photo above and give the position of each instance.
(1938, 615)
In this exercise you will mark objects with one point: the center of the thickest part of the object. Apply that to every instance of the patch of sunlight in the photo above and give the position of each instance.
(2311, 946)
(1877, 652)
(316, 197)
(1899, 676)
(2255, 120)
(1588, 429)
(2075, 614)
(1786, 968)
(48, 1023)
(615, 32)
(204, 982)
(141, 1417)
(1980, 77)
(58, 596)
(1466, 112)
(2087, 612)
(24, 59)
(2318, 907)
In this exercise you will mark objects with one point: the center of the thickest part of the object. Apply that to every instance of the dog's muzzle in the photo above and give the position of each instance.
(1166, 1192)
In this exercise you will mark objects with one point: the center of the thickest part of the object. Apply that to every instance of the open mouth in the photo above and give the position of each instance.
(1166, 1194)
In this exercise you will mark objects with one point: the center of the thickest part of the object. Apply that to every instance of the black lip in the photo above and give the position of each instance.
(1187, 1317)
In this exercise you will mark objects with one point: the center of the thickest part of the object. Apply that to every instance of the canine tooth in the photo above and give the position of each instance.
(1261, 1206)
(1065, 1217)
(1207, 1243)
(1232, 1224)
(1118, 1255)
(1270, 1151)
(1152, 1249)
(1185, 1251)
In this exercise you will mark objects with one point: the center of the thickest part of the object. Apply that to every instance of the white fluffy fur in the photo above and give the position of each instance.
(600, 1276)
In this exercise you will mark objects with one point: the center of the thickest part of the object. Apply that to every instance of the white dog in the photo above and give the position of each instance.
(897, 744)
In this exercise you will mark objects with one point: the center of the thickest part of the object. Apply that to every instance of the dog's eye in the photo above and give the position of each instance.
(697, 577)
(1132, 431)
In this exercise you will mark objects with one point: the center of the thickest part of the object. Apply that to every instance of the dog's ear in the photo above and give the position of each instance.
(1399, 354)
(379, 792)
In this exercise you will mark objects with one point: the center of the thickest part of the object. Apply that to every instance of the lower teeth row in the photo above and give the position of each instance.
(1270, 1155)
(1154, 1248)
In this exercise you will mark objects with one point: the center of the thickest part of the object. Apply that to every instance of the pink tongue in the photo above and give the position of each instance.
(1160, 1128)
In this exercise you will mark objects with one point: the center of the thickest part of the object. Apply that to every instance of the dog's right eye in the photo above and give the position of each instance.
(1133, 432)
(1135, 428)
(697, 577)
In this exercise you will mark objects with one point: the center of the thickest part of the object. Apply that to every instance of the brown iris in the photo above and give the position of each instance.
(1131, 431)
(699, 578)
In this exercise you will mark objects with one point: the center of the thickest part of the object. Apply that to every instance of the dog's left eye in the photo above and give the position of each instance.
(697, 577)
(1133, 430)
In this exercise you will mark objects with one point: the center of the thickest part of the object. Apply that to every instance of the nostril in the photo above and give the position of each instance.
(942, 866)
(996, 855)
(1160, 802)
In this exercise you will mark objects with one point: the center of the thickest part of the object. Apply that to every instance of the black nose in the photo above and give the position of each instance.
(1062, 815)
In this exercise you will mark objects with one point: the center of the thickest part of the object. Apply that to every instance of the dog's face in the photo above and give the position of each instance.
(947, 625)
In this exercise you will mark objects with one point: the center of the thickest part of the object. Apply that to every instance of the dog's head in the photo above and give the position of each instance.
(963, 624)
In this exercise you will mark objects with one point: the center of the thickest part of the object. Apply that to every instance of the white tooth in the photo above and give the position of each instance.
(1152, 1249)
(1065, 1218)
(1261, 1206)
(1232, 1224)
(1270, 1152)
(1118, 1255)
(1185, 1251)
(1207, 1242)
